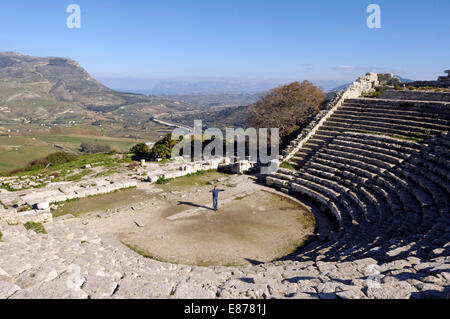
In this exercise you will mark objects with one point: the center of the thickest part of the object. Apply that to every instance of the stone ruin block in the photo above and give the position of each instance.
(72, 195)
(133, 184)
(153, 178)
(81, 193)
(43, 206)
(103, 190)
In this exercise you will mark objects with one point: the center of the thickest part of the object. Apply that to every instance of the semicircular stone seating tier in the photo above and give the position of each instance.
(381, 170)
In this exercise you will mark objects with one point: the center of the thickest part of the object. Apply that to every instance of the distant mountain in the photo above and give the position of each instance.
(403, 79)
(213, 100)
(36, 87)
(341, 88)
(217, 117)
(205, 85)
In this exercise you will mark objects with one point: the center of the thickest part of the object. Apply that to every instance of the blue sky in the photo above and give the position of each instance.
(245, 39)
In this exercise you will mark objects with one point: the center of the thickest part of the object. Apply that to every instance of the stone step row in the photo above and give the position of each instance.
(417, 117)
(372, 120)
(419, 200)
(383, 127)
(387, 110)
(401, 103)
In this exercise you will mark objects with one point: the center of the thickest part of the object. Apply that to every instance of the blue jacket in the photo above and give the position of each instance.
(215, 192)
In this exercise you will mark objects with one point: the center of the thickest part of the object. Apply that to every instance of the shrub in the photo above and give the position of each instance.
(24, 208)
(55, 174)
(160, 151)
(163, 148)
(94, 148)
(133, 165)
(287, 165)
(1, 236)
(79, 176)
(374, 94)
(114, 150)
(162, 181)
(38, 228)
(140, 151)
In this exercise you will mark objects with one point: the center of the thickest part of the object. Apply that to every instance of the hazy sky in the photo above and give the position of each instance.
(247, 39)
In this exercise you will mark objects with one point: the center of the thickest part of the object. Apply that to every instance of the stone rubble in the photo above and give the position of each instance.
(72, 262)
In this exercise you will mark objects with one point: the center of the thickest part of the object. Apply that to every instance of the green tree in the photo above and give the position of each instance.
(94, 148)
(163, 148)
(141, 151)
(160, 151)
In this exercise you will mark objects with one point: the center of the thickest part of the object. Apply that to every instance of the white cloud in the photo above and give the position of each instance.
(364, 69)
(344, 68)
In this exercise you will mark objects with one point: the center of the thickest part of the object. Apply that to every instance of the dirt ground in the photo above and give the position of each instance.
(175, 223)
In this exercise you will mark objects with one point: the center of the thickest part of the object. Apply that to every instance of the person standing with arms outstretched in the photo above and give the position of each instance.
(215, 192)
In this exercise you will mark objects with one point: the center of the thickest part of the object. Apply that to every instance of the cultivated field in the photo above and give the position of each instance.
(23, 144)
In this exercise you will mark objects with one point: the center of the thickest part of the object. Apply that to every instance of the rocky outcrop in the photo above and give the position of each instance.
(59, 82)
(442, 82)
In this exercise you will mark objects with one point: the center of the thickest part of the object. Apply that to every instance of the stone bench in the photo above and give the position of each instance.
(375, 113)
(425, 109)
(371, 146)
(317, 187)
(312, 194)
(391, 122)
(375, 154)
(427, 175)
(400, 103)
(354, 166)
(360, 122)
(335, 129)
(376, 127)
(428, 116)
(309, 175)
(36, 216)
(378, 166)
(389, 144)
(437, 188)
(431, 166)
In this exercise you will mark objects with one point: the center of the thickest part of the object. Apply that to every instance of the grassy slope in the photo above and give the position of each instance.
(17, 151)
(74, 142)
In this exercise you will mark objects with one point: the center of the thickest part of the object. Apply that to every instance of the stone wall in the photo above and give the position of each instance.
(442, 81)
(416, 95)
(12, 217)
